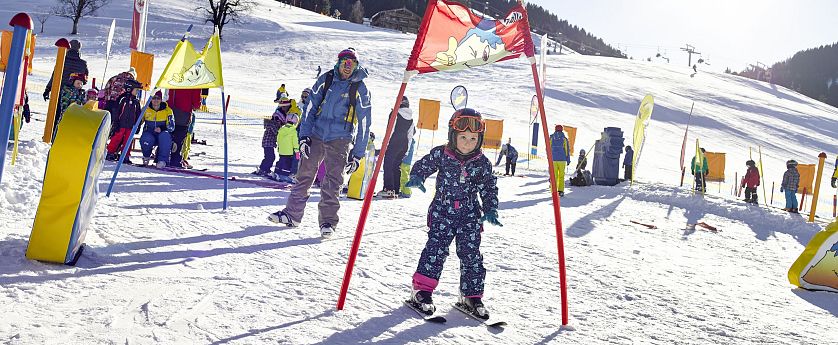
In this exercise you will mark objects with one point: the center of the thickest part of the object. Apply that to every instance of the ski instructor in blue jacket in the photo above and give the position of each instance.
(335, 131)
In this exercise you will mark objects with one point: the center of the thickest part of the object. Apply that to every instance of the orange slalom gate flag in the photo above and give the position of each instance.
(453, 38)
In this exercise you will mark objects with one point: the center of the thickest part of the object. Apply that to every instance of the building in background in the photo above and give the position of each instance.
(400, 19)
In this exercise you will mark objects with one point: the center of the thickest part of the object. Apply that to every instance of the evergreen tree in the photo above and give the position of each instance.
(356, 14)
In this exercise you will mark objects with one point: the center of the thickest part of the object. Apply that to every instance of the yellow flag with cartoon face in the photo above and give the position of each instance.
(188, 69)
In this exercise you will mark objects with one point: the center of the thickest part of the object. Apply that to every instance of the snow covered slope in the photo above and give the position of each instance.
(165, 265)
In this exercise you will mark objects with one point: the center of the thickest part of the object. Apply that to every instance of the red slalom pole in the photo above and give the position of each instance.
(802, 201)
(834, 205)
(226, 105)
(365, 209)
(553, 192)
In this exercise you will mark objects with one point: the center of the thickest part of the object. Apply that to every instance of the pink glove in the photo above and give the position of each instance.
(297, 155)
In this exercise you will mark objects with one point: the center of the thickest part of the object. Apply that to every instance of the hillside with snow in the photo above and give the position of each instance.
(164, 264)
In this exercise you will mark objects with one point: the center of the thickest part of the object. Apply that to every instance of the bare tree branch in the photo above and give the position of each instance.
(42, 18)
(221, 12)
(77, 9)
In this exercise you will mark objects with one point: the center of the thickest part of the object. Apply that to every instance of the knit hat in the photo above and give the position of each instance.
(75, 45)
(348, 53)
(559, 128)
(750, 163)
(133, 72)
(405, 103)
(92, 92)
(158, 95)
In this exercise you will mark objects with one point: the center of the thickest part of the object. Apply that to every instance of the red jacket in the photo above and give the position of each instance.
(185, 100)
(751, 179)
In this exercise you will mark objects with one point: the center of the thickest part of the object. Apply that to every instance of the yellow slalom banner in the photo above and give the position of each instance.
(815, 268)
(16, 130)
(70, 188)
(644, 113)
(698, 166)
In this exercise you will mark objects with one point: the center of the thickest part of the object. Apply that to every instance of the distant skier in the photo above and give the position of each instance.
(128, 110)
(700, 171)
(791, 180)
(340, 112)
(627, 163)
(561, 156)
(403, 131)
(511, 154)
(750, 182)
(318, 72)
(834, 173)
(463, 172)
(582, 163)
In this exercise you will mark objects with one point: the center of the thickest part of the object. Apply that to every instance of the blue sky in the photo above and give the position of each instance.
(732, 33)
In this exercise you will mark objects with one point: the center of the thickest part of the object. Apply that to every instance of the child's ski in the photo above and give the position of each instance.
(648, 226)
(488, 323)
(428, 318)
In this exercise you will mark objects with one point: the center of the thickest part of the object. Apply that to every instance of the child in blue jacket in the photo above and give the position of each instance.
(463, 173)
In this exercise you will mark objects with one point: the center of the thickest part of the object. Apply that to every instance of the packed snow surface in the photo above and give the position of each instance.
(164, 263)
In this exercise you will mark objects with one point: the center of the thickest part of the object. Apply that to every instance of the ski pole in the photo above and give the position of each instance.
(834, 205)
(772, 193)
(736, 178)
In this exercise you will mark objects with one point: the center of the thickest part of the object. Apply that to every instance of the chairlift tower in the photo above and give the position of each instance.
(690, 50)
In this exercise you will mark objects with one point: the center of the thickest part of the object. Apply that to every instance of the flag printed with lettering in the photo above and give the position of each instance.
(452, 38)
(136, 23)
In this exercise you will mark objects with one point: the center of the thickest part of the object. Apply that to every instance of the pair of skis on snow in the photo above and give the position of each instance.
(690, 226)
(457, 306)
(202, 172)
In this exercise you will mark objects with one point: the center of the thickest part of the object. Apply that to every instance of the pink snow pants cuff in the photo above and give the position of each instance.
(423, 283)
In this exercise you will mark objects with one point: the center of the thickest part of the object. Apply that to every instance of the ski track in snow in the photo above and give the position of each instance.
(164, 264)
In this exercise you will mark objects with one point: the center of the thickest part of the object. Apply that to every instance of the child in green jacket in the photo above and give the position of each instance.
(288, 146)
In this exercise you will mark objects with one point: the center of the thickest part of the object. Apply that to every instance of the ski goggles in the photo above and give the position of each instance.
(469, 123)
(348, 63)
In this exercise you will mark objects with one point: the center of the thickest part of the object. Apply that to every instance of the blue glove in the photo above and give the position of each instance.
(781, 189)
(491, 217)
(415, 182)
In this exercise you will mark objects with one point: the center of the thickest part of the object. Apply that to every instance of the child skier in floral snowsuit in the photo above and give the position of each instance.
(463, 172)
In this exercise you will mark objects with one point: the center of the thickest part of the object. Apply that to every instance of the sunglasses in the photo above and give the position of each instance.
(468, 123)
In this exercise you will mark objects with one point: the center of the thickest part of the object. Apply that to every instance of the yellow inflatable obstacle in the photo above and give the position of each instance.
(358, 180)
(70, 186)
(815, 268)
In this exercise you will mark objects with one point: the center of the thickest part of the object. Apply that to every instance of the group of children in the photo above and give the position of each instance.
(281, 136)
